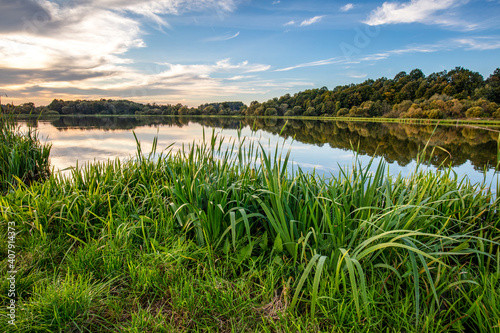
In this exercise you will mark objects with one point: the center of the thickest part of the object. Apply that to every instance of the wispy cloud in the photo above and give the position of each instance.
(346, 7)
(152, 9)
(239, 77)
(473, 43)
(311, 64)
(357, 76)
(310, 21)
(479, 43)
(409, 49)
(168, 82)
(222, 38)
(305, 22)
(418, 11)
(204, 70)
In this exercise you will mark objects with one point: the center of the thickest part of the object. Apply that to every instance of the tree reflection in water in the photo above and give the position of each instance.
(394, 142)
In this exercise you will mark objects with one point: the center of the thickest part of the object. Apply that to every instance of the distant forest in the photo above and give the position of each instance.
(459, 93)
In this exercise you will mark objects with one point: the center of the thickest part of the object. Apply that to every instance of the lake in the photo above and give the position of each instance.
(325, 146)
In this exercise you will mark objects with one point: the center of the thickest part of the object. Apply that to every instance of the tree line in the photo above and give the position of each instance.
(459, 93)
(126, 107)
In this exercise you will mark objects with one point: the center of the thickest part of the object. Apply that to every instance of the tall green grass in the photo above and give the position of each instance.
(22, 157)
(224, 236)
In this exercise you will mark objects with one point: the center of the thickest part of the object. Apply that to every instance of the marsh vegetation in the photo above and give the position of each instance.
(23, 158)
(219, 237)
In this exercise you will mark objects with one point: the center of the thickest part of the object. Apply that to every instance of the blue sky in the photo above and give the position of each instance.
(193, 52)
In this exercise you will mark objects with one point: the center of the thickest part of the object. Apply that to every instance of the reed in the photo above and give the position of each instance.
(23, 159)
(225, 236)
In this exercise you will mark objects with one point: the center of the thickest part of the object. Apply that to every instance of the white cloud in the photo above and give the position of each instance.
(479, 43)
(202, 79)
(415, 11)
(222, 38)
(310, 21)
(88, 34)
(168, 82)
(304, 23)
(153, 8)
(346, 7)
(77, 50)
(95, 40)
(358, 76)
(311, 64)
(409, 49)
(239, 77)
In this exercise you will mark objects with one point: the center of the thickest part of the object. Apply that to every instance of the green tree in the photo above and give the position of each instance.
(56, 105)
(492, 89)
(297, 110)
(283, 109)
(260, 111)
(465, 81)
(416, 74)
(271, 112)
(342, 112)
(311, 111)
(208, 110)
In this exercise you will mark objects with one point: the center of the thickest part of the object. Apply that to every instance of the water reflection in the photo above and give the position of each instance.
(396, 143)
(399, 142)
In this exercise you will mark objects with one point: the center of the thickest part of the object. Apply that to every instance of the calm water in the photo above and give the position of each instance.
(323, 145)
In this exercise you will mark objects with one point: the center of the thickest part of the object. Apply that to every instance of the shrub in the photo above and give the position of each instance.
(415, 112)
(474, 112)
(496, 114)
(434, 114)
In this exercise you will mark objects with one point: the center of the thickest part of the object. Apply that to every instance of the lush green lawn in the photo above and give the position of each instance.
(209, 239)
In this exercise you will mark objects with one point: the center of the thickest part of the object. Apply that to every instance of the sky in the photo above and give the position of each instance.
(201, 51)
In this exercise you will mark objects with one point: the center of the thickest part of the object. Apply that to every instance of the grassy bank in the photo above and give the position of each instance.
(208, 239)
